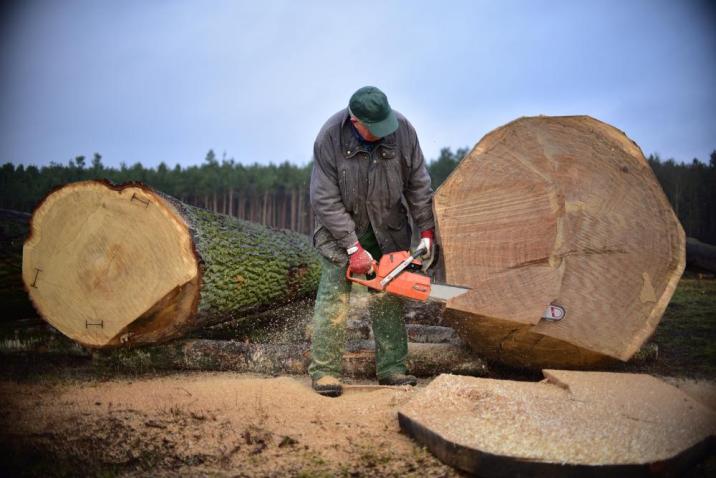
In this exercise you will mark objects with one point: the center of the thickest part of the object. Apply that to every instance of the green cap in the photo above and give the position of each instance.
(370, 106)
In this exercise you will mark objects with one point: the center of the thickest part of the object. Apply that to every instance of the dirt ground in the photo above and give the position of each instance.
(216, 424)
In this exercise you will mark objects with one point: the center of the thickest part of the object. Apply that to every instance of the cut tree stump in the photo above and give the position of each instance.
(571, 424)
(115, 265)
(564, 211)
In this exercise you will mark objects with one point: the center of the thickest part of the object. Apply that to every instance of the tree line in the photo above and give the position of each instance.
(691, 189)
(277, 195)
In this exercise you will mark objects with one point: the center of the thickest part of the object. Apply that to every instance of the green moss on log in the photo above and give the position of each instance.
(247, 267)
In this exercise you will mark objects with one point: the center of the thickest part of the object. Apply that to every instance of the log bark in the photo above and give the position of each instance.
(700, 255)
(565, 211)
(115, 265)
(423, 360)
(431, 350)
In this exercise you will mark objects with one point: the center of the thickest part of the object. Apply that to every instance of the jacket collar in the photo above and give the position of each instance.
(351, 145)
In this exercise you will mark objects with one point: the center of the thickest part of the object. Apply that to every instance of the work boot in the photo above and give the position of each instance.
(398, 379)
(328, 386)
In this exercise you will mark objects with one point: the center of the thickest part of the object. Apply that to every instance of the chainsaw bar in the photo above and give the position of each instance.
(443, 292)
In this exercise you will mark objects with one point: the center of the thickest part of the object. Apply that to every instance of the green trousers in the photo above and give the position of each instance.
(331, 313)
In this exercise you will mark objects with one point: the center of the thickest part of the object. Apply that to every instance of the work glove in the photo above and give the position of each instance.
(427, 240)
(360, 260)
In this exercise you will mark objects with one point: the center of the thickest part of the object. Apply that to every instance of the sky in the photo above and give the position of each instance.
(164, 81)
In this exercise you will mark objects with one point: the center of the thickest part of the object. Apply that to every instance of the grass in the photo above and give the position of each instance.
(686, 333)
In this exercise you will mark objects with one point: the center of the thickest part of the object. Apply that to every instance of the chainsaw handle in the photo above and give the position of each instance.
(419, 252)
(373, 283)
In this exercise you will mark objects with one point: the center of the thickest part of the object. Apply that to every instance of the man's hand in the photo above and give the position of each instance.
(360, 260)
(427, 241)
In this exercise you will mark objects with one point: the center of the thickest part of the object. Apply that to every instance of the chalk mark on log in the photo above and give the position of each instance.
(591, 251)
(97, 324)
(636, 419)
(533, 262)
(137, 198)
(34, 281)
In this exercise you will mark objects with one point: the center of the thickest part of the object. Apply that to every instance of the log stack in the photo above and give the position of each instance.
(544, 211)
(563, 211)
(123, 265)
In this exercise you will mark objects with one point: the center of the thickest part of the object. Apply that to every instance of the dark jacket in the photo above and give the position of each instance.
(354, 186)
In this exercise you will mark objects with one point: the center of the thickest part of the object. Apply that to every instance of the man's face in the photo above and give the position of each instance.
(363, 130)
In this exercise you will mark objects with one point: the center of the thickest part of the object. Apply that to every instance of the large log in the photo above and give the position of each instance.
(13, 230)
(423, 360)
(109, 265)
(700, 255)
(557, 210)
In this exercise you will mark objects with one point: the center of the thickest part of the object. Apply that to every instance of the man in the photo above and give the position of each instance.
(368, 166)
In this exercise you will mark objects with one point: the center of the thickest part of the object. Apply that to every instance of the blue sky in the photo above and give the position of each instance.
(155, 81)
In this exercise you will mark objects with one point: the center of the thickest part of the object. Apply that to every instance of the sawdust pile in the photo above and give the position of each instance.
(208, 423)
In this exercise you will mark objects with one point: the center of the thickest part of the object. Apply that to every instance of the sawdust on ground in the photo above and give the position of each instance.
(208, 423)
(216, 424)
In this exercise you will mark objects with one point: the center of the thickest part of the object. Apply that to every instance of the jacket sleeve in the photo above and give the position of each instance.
(418, 190)
(326, 198)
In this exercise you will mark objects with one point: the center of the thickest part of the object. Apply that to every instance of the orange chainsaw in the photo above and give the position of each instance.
(390, 275)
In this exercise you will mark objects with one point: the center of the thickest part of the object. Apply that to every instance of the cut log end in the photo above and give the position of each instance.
(557, 210)
(76, 258)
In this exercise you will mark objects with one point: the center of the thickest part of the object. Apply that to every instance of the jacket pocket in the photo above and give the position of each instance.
(397, 217)
(398, 227)
(387, 153)
(346, 187)
(392, 181)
